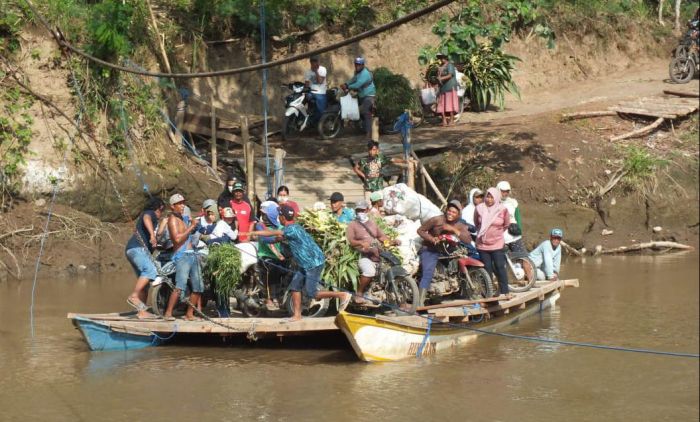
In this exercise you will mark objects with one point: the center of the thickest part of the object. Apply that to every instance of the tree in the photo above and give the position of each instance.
(677, 12)
(661, 13)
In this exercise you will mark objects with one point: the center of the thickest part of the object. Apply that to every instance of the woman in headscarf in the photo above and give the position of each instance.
(476, 197)
(492, 219)
(448, 100)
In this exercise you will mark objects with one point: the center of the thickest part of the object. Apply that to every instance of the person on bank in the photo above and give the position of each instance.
(315, 78)
(363, 83)
(369, 169)
(181, 228)
(547, 256)
(365, 236)
(448, 100)
(310, 260)
(430, 232)
(138, 251)
(491, 219)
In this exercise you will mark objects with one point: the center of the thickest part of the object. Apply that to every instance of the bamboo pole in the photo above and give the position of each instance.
(375, 129)
(160, 39)
(647, 245)
(639, 132)
(249, 154)
(429, 180)
(214, 158)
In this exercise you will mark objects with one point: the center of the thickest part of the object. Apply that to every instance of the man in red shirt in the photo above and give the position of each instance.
(243, 210)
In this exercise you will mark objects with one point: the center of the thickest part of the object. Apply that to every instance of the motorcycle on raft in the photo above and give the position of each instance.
(469, 280)
(250, 296)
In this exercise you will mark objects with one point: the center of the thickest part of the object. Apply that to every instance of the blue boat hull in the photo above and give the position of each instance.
(100, 337)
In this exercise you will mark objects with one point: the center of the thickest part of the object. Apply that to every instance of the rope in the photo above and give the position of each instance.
(127, 139)
(512, 336)
(419, 352)
(263, 51)
(370, 33)
(163, 339)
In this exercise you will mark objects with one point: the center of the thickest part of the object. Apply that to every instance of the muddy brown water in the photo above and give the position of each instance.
(647, 302)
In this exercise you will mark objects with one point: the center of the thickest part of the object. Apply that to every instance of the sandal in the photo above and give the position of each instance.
(345, 302)
(136, 303)
(169, 318)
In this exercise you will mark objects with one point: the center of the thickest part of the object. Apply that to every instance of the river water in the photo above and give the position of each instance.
(644, 302)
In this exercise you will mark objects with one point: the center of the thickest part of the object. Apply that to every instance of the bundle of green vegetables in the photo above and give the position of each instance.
(223, 268)
(341, 259)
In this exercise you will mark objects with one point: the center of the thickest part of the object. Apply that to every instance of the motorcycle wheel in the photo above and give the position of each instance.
(519, 286)
(403, 294)
(681, 70)
(252, 311)
(310, 308)
(157, 298)
(481, 285)
(681, 51)
(289, 129)
(329, 125)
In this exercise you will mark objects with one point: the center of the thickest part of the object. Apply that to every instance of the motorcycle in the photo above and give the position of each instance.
(392, 285)
(249, 296)
(689, 39)
(473, 282)
(298, 114)
(331, 122)
(522, 273)
(682, 69)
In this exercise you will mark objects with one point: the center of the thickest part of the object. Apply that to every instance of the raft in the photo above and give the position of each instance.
(373, 338)
(382, 338)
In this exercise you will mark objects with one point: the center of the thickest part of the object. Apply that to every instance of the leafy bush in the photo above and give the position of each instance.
(394, 94)
(223, 268)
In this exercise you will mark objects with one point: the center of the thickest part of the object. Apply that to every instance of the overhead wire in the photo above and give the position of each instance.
(252, 68)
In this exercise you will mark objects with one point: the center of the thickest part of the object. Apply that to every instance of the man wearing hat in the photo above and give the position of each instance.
(181, 227)
(364, 235)
(243, 211)
(377, 200)
(363, 83)
(339, 210)
(310, 262)
(547, 256)
(430, 231)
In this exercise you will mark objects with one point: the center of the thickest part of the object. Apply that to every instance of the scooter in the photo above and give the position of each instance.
(331, 122)
(298, 114)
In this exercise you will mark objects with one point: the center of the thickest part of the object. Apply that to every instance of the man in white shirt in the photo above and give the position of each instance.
(316, 79)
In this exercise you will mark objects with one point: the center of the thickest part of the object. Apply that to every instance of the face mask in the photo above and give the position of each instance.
(283, 199)
(230, 188)
(362, 217)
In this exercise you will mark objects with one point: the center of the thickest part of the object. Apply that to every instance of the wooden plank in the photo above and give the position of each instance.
(642, 112)
(682, 93)
(205, 131)
(661, 107)
(453, 303)
(585, 115)
(429, 179)
(249, 158)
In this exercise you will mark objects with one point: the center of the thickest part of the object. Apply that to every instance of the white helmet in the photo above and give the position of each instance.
(503, 185)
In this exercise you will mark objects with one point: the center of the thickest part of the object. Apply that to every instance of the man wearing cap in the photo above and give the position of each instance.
(242, 210)
(206, 221)
(338, 209)
(513, 241)
(315, 78)
(377, 200)
(181, 228)
(369, 169)
(547, 256)
(224, 230)
(363, 83)
(430, 232)
(364, 235)
(310, 261)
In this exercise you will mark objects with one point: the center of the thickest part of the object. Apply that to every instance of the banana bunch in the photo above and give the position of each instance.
(341, 259)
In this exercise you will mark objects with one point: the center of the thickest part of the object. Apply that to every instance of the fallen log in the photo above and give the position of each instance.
(647, 245)
(570, 249)
(586, 114)
(639, 132)
(682, 94)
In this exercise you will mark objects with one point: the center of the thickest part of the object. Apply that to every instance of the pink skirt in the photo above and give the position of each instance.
(448, 102)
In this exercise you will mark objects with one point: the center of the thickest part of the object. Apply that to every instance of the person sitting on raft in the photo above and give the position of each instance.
(547, 256)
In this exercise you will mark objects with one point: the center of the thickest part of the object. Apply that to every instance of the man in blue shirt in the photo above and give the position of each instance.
(309, 259)
(547, 256)
(340, 212)
(363, 83)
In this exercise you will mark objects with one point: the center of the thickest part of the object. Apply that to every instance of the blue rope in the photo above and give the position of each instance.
(512, 336)
(419, 352)
(157, 338)
(263, 42)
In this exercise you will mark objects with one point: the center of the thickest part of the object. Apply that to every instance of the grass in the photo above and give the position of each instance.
(641, 170)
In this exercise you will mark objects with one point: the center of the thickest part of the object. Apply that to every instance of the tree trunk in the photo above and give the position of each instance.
(661, 13)
(677, 12)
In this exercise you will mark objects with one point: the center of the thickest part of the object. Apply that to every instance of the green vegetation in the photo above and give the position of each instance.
(15, 136)
(394, 95)
(641, 170)
(224, 268)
